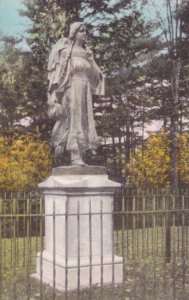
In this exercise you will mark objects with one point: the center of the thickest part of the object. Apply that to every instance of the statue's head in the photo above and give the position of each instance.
(78, 31)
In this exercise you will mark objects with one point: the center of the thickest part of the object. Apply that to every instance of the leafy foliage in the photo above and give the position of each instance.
(183, 158)
(24, 162)
(23, 87)
(10, 96)
(150, 168)
(48, 22)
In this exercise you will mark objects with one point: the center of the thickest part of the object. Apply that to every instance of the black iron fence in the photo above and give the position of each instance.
(150, 233)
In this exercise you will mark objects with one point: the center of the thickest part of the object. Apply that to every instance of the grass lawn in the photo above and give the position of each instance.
(147, 276)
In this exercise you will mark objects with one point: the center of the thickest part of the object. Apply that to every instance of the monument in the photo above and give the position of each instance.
(78, 249)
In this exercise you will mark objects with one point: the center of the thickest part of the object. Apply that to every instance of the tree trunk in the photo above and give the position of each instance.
(173, 146)
(127, 142)
(174, 123)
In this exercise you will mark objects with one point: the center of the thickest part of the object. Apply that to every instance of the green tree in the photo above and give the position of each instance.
(10, 96)
(47, 25)
(23, 89)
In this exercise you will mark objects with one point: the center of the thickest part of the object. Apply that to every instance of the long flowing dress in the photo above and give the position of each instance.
(70, 100)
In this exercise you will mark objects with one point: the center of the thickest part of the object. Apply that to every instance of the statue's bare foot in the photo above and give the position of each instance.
(76, 158)
(78, 162)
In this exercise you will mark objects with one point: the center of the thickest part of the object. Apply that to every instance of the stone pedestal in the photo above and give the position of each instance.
(79, 229)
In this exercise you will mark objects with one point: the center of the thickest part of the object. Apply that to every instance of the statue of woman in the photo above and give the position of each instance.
(73, 78)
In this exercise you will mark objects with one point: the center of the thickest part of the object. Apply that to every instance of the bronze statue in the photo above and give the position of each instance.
(73, 78)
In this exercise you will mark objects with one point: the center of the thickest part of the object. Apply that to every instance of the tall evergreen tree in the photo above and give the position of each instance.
(10, 93)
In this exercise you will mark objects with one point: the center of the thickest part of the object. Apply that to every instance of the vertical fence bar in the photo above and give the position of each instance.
(101, 249)
(14, 242)
(113, 265)
(41, 247)
(164, 226)
(28, 230)
(127, 225)
(24, 239)
(183, 244)
(3, 233)
(54, 251)
(143, 226)
(19, 231)
(148, 226)
(157, 224)
(123, 234)
(177, 235)
(12, 232)
(153, 224)
(168, 233)
(90, 250)
(24, 230)
(134, 238)
(116, 228)
(137, 227)
(172, 213)
(37, 222)
(154, 243)
(164, 242)
(134, 226)
(78, 250)
(1, 260)
(66, 250)
(16, 204)
(187, 224)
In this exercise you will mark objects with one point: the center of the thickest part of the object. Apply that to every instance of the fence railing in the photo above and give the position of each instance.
(151, 233)
(158, 222)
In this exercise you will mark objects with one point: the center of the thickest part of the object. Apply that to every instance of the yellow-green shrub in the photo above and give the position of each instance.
(24, 162)
(150, 168)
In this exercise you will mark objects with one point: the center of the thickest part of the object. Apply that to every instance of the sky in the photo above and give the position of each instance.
(13, 24)
(10, 21)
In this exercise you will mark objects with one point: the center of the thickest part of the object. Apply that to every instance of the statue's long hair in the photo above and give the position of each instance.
(74, 28)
